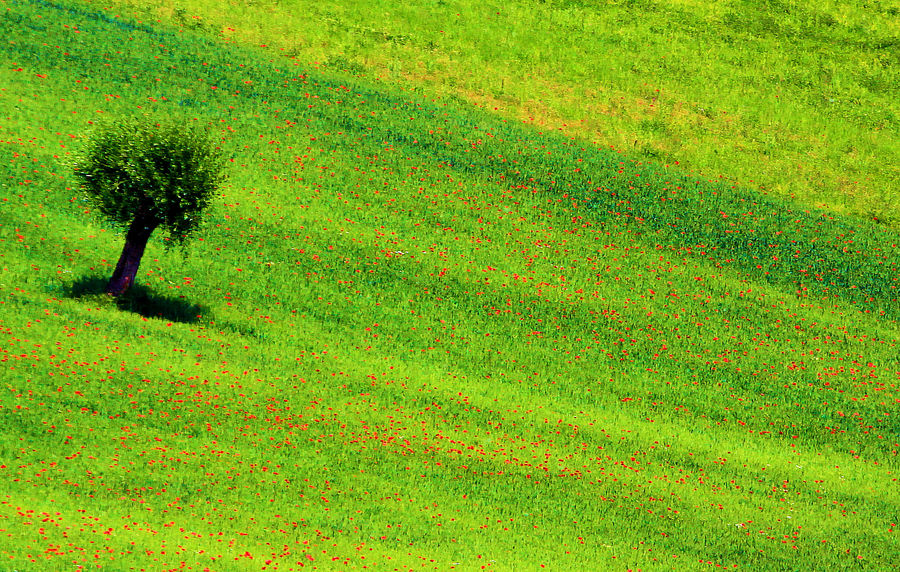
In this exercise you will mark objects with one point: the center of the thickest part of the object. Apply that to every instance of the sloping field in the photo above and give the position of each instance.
(414, 335)
(799, 98)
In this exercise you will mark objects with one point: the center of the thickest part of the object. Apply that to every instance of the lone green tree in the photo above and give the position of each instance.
(142, 174)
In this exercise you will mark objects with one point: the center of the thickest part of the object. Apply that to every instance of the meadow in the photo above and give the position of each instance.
(795, 98)
(419, 333)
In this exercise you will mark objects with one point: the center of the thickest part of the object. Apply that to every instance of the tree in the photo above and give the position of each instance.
(142, 174)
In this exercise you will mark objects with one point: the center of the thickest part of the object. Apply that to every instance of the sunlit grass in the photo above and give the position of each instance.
(412, 334)
(796, 99)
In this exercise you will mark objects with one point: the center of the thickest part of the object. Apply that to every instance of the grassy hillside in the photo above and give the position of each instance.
(413, 335)
(796, 98)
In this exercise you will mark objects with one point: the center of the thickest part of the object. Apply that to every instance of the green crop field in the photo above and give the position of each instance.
(475, 295)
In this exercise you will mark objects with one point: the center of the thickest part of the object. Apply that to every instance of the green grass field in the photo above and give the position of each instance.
(417, 332)
(798, 98)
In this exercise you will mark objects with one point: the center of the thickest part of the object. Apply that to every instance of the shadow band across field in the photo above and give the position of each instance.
(809, 251)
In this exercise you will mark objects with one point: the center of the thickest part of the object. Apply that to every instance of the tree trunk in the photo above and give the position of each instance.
(135, 241)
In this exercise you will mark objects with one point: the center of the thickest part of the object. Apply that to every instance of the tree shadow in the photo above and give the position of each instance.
(139, 299)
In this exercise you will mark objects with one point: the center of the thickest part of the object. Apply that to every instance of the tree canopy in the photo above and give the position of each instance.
(167, 172)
